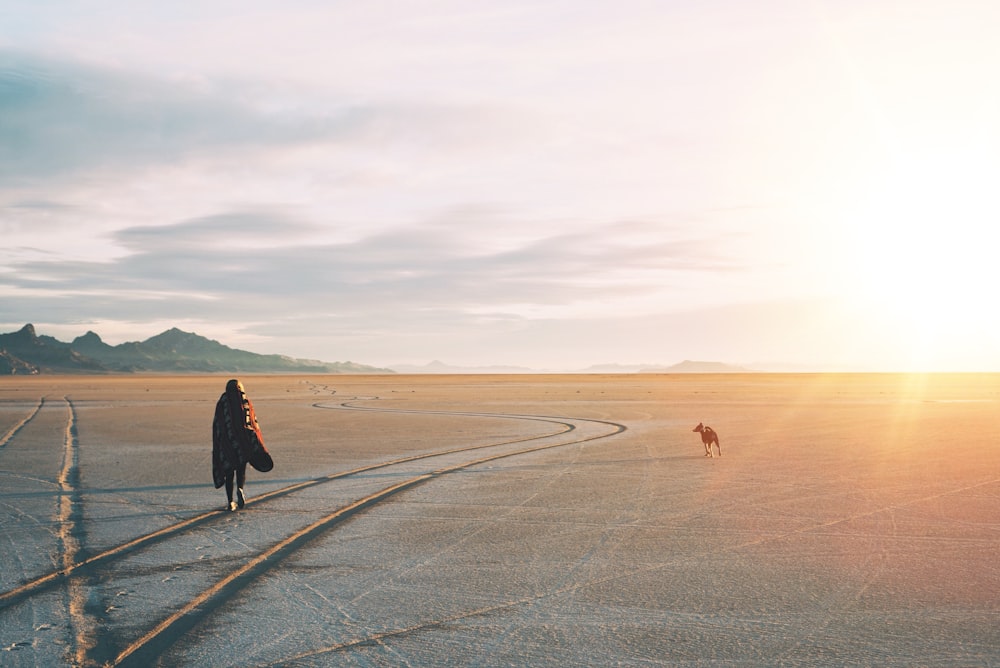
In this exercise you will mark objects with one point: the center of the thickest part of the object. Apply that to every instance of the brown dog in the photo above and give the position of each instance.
(708, 437)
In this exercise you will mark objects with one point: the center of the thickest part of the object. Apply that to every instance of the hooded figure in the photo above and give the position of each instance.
(236, 441)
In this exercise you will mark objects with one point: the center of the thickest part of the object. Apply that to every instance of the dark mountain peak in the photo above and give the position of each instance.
(171, 334)
(90, 344)
(177, 340)
(27, 336)
(90, 338)
(23, 339)
(26, 333)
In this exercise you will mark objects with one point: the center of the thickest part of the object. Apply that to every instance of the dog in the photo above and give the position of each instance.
(708, 437)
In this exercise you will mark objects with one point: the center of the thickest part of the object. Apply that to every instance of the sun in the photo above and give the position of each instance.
(923, 243)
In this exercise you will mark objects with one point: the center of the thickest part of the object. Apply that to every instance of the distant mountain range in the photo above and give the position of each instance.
(440, 367)
(173, 351)
(687, 366)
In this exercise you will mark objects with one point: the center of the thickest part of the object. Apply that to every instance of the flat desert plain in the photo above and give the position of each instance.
(521, 520)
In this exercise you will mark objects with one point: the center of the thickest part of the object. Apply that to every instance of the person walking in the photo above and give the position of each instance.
(236, 441)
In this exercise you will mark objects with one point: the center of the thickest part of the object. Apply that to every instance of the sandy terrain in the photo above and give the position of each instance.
(852, 520)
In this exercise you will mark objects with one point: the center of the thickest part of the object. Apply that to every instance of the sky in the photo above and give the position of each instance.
(789, 185)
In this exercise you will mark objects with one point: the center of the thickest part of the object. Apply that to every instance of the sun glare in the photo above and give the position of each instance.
(922, 235)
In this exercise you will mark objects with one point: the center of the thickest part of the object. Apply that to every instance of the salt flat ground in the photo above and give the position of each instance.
(852, 520)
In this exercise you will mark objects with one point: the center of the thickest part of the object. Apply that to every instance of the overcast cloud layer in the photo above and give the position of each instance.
(541, 184)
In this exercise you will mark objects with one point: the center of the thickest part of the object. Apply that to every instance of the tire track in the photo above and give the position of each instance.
(12, 432)
(148, 648)
(69, 519)
(72, 567)
(79, 571)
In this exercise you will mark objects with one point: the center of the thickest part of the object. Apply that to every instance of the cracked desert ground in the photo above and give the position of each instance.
(852, 520)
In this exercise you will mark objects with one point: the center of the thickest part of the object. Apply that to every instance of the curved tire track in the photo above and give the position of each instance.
(155, 642)
(78, 571)
(72, 567)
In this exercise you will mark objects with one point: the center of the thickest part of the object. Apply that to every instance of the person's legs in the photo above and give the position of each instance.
(229, 489)
(241, 479)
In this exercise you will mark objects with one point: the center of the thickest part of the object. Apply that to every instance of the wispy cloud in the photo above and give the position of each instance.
(225, 234)
(241, 262)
